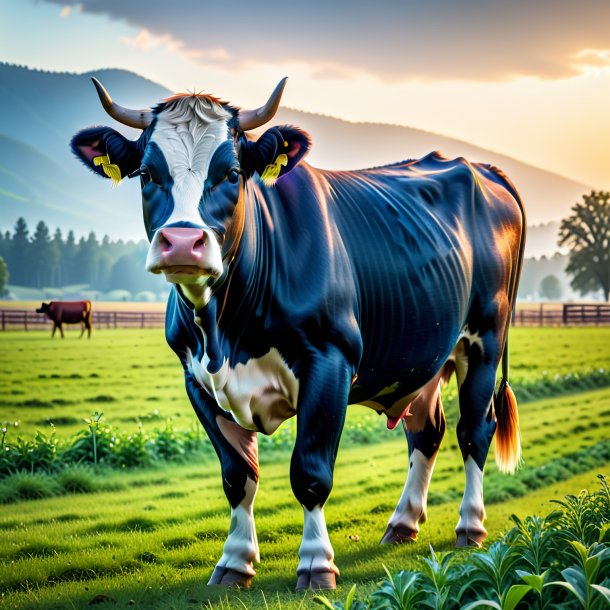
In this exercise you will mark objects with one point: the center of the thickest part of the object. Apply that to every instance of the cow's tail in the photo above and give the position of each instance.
(87, 314)
(508, 439)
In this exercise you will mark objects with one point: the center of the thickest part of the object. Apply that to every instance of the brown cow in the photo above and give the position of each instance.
(70, 312)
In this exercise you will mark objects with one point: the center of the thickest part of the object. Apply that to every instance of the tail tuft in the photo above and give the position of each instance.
(508, 441)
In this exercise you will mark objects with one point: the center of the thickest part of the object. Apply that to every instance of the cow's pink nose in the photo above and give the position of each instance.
(182, 245)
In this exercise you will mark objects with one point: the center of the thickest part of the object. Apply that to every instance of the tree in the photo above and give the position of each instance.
(57, 245)
(5, 243)
(87, 257)
(42, 264)
(587, 233)
(69, 260)
(3, 277)
(550, 288)
(19, 259)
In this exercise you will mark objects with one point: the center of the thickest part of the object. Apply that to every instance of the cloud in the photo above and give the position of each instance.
(393, 40)
(592, 60)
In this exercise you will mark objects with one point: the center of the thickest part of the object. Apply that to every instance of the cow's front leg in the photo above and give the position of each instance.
(237, 450)
(323, 389)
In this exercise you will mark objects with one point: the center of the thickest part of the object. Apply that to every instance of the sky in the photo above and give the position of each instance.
(527, 78)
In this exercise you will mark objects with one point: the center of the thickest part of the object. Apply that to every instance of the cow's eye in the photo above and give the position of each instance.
(233, 176)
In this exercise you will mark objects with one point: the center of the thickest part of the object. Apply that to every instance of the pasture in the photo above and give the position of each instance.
(150, 537)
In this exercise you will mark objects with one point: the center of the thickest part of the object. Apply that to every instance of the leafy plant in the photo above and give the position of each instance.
(580, 579)
(540, 563)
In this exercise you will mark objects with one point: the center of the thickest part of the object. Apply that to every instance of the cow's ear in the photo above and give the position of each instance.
(107, 152)
(277, 151)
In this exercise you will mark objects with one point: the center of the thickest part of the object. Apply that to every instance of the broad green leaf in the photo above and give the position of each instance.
(570, 588)
(580, 549)
(514, 595)
(603, 590)
(591, 567)
(482, 602)
(350, 598)
(324, 601)
(536, 581)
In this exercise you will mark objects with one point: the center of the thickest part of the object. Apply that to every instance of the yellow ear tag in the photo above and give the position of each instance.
(112, 171)
(272, 171)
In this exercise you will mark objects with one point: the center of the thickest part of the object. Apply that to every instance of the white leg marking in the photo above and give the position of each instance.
(241, 547)
(316, 553)
(411, 507)
(472, 509)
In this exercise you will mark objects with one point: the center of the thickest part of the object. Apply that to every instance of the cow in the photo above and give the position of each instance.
(297, 291)
(70, 312)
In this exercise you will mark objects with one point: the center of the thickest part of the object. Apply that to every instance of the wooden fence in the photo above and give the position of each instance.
(570, 314)
(21, 319)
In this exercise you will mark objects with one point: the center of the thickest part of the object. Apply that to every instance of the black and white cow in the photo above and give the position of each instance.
(298, 291)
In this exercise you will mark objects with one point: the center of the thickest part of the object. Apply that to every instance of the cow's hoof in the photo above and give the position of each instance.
(470, 538)
(230, 578)
(398, 534)
(316, 580)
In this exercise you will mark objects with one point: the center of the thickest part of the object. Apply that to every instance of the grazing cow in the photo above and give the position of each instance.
(70, 312)
(298, 291)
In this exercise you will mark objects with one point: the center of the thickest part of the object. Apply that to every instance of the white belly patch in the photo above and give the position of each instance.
(263, 390)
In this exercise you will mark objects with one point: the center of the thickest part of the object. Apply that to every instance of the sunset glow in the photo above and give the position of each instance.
(539, 95)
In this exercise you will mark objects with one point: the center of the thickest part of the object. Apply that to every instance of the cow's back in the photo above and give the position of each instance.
(70, 312)
(424, 239)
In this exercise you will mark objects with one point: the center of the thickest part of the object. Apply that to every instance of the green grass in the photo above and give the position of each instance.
(158, 540)
(154, 535)
(132, 375)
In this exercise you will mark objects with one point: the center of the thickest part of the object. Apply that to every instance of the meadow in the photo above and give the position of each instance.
(150, 537)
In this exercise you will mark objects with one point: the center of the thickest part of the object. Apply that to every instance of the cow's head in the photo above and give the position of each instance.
(44, 308)
(193, 160)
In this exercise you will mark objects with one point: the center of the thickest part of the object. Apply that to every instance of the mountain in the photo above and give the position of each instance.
(339, 144)
(40, 178)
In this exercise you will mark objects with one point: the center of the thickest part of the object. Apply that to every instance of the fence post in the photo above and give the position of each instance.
(3, 321)
(565, 314)
(25, 320)
(142, 324)
(540, 316)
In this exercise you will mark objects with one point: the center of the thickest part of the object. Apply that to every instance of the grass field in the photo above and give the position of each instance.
(153, 536)
(132, 375)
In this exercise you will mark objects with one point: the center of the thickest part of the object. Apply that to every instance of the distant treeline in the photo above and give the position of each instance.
(43, 260)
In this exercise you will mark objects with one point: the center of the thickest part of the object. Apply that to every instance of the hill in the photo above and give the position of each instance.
(40, 179)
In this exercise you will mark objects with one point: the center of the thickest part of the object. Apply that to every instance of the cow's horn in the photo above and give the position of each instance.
(140, 119)
(251, 119)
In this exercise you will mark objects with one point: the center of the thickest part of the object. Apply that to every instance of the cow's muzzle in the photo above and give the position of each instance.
(185, 255)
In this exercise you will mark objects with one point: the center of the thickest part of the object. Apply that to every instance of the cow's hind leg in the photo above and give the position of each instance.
(321, 411)
(476, 427)
(237, 449)
(424, 427)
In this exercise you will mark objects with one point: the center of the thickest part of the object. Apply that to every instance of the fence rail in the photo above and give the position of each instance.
(570, 314)
(21, 319)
